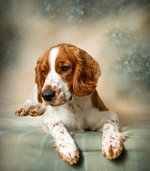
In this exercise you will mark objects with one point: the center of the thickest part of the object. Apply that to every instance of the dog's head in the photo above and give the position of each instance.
(64, 71)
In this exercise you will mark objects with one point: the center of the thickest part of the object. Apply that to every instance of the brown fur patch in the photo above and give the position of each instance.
(97, 102)
(41, 70)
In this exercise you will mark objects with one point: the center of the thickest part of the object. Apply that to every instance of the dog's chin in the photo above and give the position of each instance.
(47, 103)
(55, 103)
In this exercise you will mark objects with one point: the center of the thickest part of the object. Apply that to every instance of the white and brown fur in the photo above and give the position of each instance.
(72, 74)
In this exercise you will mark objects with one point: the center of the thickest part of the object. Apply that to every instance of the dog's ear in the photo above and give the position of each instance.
(86, 74)
(39, 79)
(40, 73)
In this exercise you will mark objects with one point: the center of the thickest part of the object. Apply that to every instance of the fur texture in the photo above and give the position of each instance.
(65, 94)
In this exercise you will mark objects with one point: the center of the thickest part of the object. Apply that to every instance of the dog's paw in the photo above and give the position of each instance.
(32, 111)
(22, 112)
(68, 152)
(37, 110)
(112, 146)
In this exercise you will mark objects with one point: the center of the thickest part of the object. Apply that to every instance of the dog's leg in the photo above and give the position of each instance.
(112, 140)
(65, 144)
(31, 106)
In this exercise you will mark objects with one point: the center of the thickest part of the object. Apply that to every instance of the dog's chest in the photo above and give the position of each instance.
(72, 115)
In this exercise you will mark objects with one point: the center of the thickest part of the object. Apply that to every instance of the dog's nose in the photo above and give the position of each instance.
(48, 95)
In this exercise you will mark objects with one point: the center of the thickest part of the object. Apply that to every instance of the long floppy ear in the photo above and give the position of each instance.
(41, 72)
(86, 74)
(38, 79)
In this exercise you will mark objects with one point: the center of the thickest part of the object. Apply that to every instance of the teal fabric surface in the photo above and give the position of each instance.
(25, 147)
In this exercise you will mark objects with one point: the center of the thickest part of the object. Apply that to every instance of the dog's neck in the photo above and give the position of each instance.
(87, 102)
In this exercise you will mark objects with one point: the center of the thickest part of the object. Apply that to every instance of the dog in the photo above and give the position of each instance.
(65, 94)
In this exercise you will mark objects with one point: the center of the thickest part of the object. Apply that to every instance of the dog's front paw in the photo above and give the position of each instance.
(112, 146)
(36, 110)
(68, 152)
(22, 112)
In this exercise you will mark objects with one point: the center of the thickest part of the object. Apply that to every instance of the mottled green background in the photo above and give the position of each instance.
(116, 33)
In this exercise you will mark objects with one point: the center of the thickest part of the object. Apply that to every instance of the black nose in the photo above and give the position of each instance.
(48, 95)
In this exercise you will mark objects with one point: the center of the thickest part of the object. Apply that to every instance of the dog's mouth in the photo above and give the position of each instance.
(57, 101)
(54, 103)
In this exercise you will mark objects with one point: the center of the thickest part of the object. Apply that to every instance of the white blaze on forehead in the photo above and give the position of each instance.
(52, 58)
(54, 79)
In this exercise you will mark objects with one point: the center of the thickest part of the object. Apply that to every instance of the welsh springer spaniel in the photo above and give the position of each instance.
(65, 91)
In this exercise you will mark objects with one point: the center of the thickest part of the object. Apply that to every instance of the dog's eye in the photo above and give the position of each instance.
(65, 68)
(43, 72)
